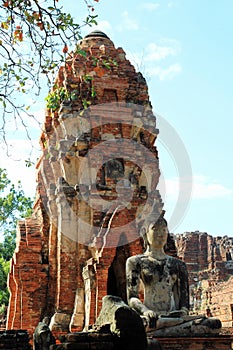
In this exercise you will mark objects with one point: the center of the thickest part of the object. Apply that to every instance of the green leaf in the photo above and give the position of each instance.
(81, 52)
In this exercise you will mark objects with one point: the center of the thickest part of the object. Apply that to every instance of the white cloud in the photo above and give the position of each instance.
(171, 4)
(127, 22)
(150, 6)
(155, 52)
(202, 188)
(170, 188)
(165, 73)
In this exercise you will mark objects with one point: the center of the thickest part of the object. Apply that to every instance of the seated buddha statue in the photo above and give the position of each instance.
(165, 284)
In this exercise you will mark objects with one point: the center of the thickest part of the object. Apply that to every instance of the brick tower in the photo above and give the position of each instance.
(97, 179)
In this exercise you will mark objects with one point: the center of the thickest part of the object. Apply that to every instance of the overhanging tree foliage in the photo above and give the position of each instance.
(13, 206)
(34, 37)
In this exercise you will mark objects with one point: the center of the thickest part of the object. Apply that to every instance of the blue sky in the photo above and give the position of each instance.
(184, 48)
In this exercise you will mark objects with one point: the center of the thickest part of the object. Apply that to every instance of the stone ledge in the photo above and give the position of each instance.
(83, 346)
(195, 343)
(14, 340)
(99, 341)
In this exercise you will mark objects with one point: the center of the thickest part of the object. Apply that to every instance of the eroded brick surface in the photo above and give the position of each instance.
(210, 266)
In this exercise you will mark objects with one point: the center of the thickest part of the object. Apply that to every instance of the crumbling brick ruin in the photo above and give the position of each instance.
(96, 176)
(210, 264)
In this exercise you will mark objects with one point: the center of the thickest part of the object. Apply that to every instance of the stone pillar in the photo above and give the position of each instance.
(91, 292)
(78, 316)
(66, 259)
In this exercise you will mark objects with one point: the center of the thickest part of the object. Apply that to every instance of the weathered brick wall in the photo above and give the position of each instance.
(28, 278)
(202, 252)
(68, 255)
(218, 295)
(210, 266)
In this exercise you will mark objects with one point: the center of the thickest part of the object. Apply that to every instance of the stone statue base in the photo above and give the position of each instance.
(85, 340)
(99, 341)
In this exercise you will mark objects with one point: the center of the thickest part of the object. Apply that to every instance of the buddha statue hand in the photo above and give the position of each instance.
(149, 318)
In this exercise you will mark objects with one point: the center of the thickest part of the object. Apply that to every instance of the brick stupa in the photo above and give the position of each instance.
(97, 177)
